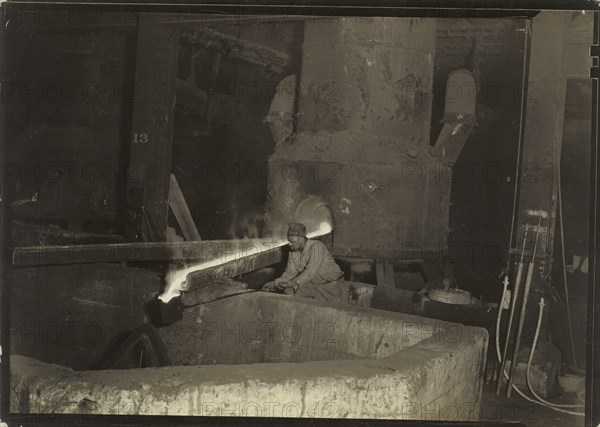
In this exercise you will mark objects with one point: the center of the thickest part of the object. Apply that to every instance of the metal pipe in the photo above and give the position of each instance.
(515, 296)
(513, 365)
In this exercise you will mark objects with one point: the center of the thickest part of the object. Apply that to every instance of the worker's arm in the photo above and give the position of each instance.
(316, 257)
(290, 272)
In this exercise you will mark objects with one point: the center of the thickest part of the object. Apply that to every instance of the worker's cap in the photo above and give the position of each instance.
(296, 229)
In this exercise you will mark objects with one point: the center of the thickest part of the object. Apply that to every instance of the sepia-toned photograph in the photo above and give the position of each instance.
(284, 213)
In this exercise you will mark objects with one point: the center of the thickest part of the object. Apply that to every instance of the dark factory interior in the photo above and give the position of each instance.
(153, 162)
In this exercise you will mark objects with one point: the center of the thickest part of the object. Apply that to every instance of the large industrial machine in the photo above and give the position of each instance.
(361, 144)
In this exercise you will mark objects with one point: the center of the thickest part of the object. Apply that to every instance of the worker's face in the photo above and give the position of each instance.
(296, 243)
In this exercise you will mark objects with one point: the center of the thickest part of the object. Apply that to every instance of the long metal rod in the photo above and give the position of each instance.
(524, 84)
(513, 305)
(247, 291)
(528, 280)
(564, 267)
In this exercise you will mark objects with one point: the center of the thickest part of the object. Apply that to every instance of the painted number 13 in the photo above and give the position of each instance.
(140, 138)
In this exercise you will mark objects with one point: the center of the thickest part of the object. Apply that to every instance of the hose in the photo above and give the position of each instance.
(523, 312)
(516, 288)
(523, 395)
(533, 345)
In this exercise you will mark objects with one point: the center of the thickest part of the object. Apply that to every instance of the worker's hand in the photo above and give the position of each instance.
(269, 286)
(284, 285)
(280, 286)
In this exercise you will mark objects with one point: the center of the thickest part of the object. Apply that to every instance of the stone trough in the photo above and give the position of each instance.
(269, 355)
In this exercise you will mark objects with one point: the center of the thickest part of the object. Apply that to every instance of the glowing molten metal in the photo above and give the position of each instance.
(176, 279)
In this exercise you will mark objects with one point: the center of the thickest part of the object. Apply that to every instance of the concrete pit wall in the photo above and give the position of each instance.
(268, 328)
(438, 377)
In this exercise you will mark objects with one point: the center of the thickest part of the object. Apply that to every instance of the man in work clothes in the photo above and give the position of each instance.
(311, 271)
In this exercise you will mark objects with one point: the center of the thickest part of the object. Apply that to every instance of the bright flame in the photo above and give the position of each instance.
(176, 279)
(323, 229)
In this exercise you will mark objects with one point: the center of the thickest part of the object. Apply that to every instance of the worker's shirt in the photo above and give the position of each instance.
(313, 264)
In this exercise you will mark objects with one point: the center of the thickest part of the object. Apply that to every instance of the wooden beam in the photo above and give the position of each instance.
(73, 18)
(181, 211)
(133, 252)
(243, 49)
(152, 129)
(196, 20)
